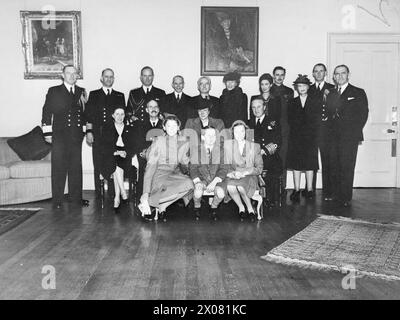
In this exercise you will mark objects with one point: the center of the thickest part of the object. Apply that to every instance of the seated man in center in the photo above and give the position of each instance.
(204, 120)
(145, 132)
(207, 170)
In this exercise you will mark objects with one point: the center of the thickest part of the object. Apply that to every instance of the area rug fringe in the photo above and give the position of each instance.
(21, 209)
(326, 217)
(323, 267)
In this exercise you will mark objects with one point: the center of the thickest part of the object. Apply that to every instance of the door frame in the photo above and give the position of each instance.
(335, 38)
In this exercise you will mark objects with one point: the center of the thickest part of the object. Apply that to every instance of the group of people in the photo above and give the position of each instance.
(186, 147)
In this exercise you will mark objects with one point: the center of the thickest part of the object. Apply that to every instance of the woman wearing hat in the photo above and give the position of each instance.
(272, 105)
(117, 145)
(233, 102)
(302, 149)
(245, 163)
(164, 183)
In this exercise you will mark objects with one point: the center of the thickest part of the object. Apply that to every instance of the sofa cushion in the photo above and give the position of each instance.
(30, 169)
(30, 146)
(7, 155)
(4, 173)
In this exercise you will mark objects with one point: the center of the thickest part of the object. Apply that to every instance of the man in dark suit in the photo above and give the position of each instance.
(203, 119)
(347, 108)
(62, 124)
(319, 90)
(144, 132)
(283, 94)
(267, 133)
(177, 102)
(138, 98)
(204, 87)
(99, 108)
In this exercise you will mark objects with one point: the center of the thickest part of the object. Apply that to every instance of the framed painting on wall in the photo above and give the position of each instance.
(229, 40)
(50, 41)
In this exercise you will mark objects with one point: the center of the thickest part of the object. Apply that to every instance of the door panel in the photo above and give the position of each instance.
(374, 66)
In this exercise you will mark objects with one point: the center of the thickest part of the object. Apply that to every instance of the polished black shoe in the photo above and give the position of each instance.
(162, 216)
(252, 216)
(242, 215)
(295, 196)
(328, 198)
(197, 213)
(214, 214)
(304, 193)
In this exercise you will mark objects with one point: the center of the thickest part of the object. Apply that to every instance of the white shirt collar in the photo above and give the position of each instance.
(153, 121)
(180, 94)
(68, 86)
(145, 88)
(320, 85)
(105, 90)
(343, 87)
(261, 118)
(303, 100)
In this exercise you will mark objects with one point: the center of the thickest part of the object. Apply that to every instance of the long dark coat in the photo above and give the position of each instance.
(233, 106)
(303, 145)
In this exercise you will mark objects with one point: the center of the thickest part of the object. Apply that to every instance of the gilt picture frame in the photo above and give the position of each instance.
(50, 41)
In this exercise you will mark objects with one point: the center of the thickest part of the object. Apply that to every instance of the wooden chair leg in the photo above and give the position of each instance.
(260, 212)
(102, 193)
(280, 190)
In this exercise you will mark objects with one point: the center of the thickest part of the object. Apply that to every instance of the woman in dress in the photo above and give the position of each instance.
(233, 102)
(303, 148)
(164, 182)
(272, 105)
(245, 164)
(117, 148)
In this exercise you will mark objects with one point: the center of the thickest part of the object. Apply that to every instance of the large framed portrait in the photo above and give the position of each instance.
(50, 41)
(229, 40)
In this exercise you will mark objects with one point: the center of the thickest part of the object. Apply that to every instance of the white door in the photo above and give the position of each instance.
(373, 60)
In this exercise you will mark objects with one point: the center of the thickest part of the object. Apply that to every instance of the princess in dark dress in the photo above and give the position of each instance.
(117, 149)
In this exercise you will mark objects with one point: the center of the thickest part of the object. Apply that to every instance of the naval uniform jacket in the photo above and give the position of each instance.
(137, 100)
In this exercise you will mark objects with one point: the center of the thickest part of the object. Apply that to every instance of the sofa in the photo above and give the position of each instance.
(23, 181)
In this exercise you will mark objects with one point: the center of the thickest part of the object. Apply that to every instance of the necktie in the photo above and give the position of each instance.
(71, 91)
(258, 122)
(108, 92)
(147, 91)
(340, 90)
(178, 98)
(319, 87)
(154, 124)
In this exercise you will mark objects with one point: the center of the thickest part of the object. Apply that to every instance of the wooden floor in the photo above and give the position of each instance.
(100, 255)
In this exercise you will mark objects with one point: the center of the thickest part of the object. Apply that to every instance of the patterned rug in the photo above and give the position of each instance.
(12, 217)
(336, 243)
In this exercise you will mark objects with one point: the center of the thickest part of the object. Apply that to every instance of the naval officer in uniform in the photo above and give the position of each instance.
(62, 125)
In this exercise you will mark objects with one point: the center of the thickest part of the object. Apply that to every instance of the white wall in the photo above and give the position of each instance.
(128, 34)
